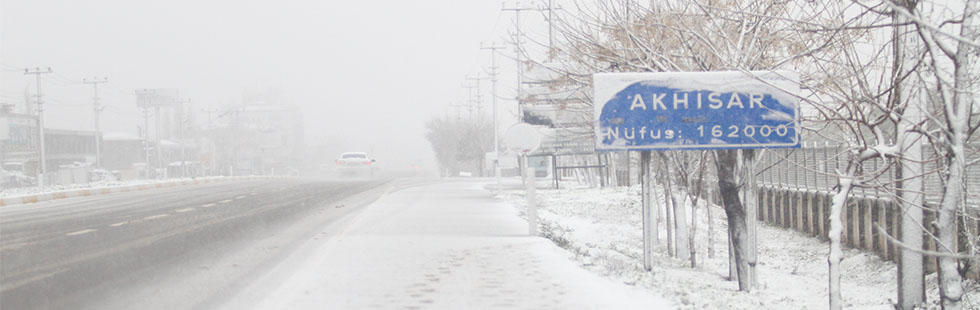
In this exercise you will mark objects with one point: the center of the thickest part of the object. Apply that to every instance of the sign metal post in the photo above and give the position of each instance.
(524, 139)
(649, 224)
(532, 209)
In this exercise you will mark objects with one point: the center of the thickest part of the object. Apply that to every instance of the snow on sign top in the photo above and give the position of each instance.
(522, 138)
(696, 110)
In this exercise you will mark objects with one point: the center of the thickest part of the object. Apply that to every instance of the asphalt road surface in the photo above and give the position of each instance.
(186, 247)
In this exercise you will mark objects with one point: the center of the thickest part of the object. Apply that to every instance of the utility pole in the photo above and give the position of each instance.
(40, 122)
(493, 97)
(518, 40)
(479, 94)
(212, 150)
(911, 276)
(551, 16)
(146, 139)
(479, 111)
(235, 111)
(457, 107)
(181, 123)
(98, 110)
(159, 142)
(470, 102)
(210, 112)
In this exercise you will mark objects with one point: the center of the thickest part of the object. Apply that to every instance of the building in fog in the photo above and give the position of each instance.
(68, 147)
(563, 115)
(18, 142)
(64, 149)
(276, 133)
(123, 152)
(263, 136)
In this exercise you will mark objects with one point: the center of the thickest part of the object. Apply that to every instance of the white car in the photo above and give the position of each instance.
(355, 163)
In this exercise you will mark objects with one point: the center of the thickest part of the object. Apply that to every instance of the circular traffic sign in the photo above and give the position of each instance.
(522, 138)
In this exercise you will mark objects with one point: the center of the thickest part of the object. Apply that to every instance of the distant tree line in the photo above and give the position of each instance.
(460, 144)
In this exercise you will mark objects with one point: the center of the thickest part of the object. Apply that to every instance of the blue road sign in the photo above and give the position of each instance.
(696, 110)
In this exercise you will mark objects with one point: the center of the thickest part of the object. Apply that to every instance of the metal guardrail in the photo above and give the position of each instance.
(814, 168)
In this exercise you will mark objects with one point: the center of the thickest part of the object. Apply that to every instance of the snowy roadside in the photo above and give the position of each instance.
(33, 190)
(13, 196)
(442, 245)
(602, 227)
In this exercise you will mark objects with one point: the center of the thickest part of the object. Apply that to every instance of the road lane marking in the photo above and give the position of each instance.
(240, 197)
(156, 216)
(185, 210)
(83, 231)
(15, 284)
(226, 201)
(208, 205)
(119, 224)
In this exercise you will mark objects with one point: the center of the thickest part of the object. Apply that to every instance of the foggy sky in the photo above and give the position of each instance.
(367, 72)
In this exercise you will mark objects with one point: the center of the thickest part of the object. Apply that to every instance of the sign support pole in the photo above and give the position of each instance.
(554, 169)
(496, 173)
(751, 210)
(532, 212)
(602, 175)
(525, 139)
(647, 203)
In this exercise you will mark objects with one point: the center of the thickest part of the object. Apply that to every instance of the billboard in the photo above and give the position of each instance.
(19, 136)
(4, 129)
(156, 97)
(696, 110)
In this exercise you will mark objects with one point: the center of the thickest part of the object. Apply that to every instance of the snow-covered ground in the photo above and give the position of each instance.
(603, 228)
(31, 190)
(34, 190)
(446, 245)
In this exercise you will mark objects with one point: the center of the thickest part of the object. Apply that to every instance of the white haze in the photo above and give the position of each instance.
(367, 74)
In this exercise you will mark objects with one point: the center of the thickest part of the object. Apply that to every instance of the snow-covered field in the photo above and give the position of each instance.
(602, 227)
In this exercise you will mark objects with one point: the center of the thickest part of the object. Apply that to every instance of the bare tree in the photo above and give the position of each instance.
(684, 36)
(459, 144)
(864, 77)
(688, 175)
(875, 95)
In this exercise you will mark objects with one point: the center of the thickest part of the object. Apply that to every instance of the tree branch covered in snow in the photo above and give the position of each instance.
(880, 77)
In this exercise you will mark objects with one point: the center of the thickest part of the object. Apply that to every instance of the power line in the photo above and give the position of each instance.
(12, 67)
(60, 80)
